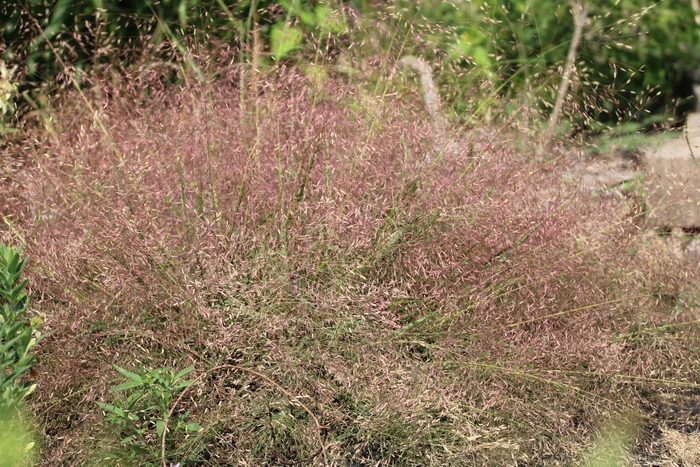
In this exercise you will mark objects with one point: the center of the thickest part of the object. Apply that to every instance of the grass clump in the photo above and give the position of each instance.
(342, 299)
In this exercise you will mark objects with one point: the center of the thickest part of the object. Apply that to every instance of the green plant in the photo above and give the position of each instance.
(18, 336)
(16, 439)
(8, 92)
(632, 57)
(144, 410)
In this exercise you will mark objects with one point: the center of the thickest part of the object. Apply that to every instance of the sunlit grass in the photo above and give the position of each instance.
(467, 309)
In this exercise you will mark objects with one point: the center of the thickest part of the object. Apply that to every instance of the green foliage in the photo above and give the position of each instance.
(142, 409)
(18, 335)
(284, 39)
(44, 35)
(16, 440)
(319, 17)
(8, 91)
(315, 19)
(631, 51)
(634, 57)
(41, 36)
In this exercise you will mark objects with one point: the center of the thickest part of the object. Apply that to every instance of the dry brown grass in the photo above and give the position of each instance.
(471, 311)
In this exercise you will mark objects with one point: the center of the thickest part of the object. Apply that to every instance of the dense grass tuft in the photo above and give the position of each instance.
(467, 309)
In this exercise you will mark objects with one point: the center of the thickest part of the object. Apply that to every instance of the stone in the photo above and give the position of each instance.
(673, 178)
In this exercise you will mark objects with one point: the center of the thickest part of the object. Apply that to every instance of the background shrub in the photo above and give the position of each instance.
(634, 58)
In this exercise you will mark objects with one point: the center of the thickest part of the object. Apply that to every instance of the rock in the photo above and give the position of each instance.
(673, 179)
(693, 248)
(610, 172)
(605, 174)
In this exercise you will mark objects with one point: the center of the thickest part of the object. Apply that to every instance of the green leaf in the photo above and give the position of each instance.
(16, 293)
(20, 370)
(12, 261)
(31, 389)
(182, 385)
(139, 450)
(284, 39)
(308, 18)
(182, 13)
(127, 385)
(160, 376)
(36, 321)
(112, 408)
(193, 427)
(329, 22)
(481, 57)
(183, 372)
(26, 337)
(134, 398)
(128, 374)
(160, 426)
